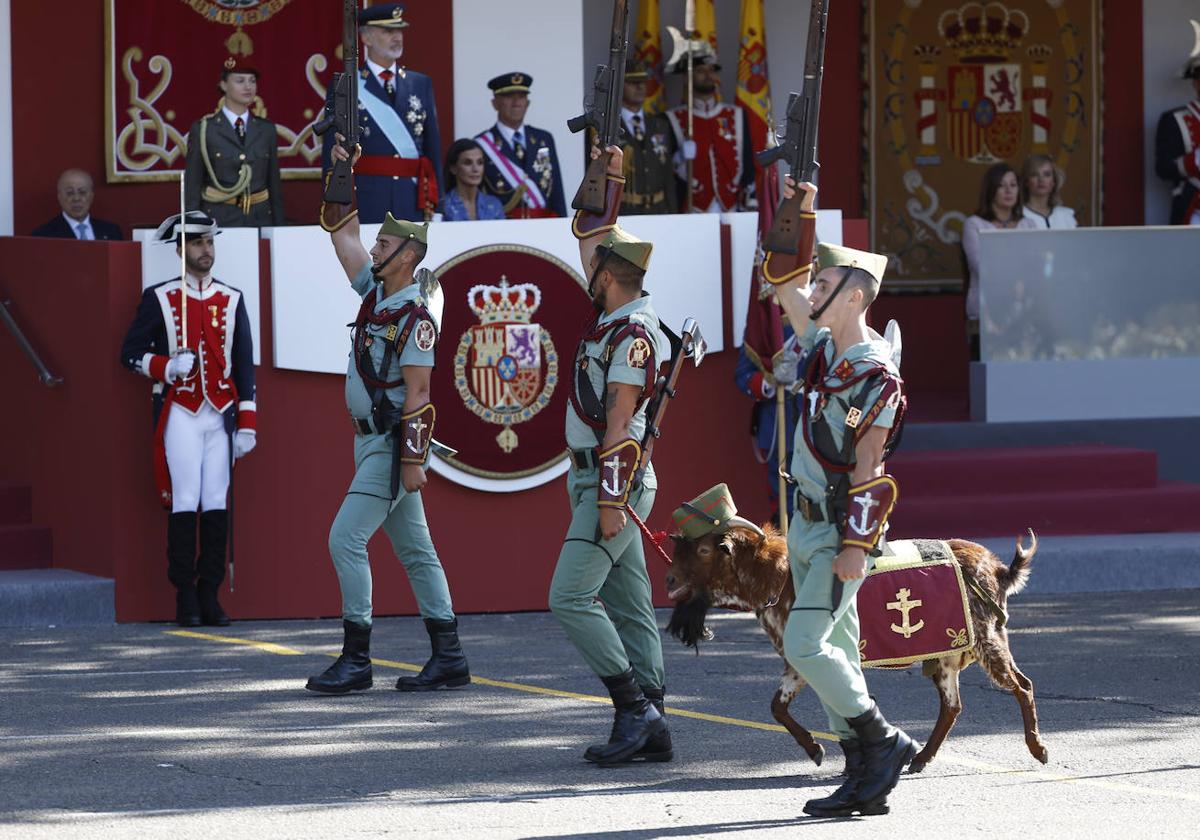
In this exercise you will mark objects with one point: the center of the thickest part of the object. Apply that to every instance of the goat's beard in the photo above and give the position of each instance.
(687, 621)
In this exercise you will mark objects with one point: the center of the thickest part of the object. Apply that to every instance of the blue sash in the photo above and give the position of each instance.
(388, 120)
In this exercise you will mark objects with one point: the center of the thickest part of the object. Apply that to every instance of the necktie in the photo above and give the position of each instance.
(82, 231)
(387, 76)
(519, 145)
(240, 125)
(638, 131)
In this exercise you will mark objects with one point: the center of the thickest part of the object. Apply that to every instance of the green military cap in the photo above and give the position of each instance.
(840, 255)
(711, 511)
(628, 247)
(405, 229)
(636, 71)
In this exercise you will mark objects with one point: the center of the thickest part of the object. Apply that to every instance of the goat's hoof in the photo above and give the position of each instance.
(817, 755)
(916, 766)
(1041, 754)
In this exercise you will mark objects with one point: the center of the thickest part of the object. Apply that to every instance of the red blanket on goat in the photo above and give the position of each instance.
(913, 606)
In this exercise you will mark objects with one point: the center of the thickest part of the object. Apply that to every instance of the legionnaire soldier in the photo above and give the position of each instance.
(615, 370)
(1177, 152)
(387, 394)
(520, 163)
(852, 404)
(204, 410)
(650, 149)
(232, 171)
(401, 165)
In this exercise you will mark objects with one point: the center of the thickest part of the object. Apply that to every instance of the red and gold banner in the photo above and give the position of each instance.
(648, 48)
(912, 610)
(753, 87)
(505, 361)
(163, 62)
(956, 87)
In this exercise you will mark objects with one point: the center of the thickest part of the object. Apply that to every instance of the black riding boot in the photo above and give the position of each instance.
(886, 751)
(214, 534)
(635, 721)
(181, 566)
(448, 664)
(842, 801)
(352, 670)
(658, 746)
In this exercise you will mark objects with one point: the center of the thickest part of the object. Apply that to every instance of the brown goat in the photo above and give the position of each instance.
(742, 570)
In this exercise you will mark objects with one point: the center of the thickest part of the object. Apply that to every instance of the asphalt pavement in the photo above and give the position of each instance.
(146, 731)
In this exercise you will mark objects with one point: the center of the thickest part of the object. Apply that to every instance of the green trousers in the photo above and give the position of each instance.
(820, 642)
(621, 631)
(368, 506)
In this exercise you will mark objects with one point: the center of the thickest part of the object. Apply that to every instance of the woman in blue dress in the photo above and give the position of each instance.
(463, 200)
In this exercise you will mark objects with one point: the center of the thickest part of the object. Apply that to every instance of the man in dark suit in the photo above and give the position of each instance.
(1177, 152)
(75, 194)
(232, 172)
(401, 164)
(520, 164)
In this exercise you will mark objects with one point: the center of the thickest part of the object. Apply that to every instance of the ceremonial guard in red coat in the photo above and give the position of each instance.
(1177, 152)
(201, 359)
(722, 165)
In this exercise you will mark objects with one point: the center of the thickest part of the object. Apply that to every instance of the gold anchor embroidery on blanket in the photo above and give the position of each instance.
(905, 606)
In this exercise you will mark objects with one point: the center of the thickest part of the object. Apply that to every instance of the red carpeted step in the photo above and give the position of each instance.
(25, 547)
(1169, 507)
(1021, 470)
(16, 503)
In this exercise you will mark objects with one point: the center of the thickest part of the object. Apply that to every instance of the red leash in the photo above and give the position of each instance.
(655, 539)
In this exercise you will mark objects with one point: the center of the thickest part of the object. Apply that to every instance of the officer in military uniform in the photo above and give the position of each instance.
(852, 404)
(649, 146)
(401, 164)
(758, 379)
(600, 593)
(387, 394)
(204, 409)
(1177, 152)
(520, 163)
(232, 171)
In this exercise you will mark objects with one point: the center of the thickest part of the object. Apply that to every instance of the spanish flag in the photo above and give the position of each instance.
(753, 89)
(706, 23)
(648, 48)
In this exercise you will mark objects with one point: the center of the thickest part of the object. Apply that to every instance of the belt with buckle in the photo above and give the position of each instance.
(810, 510)
(584, 459)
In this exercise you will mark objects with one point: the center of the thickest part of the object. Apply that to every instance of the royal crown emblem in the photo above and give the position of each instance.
(506, 367)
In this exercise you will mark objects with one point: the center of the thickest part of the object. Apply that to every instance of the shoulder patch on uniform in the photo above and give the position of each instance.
(639, 353)
(844, 370)
(424, 336)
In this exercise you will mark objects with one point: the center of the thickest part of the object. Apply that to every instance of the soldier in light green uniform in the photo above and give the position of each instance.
(614, 373)
(387, 394)
(851, 403)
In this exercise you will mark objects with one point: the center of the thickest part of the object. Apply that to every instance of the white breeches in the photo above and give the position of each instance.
(198, 458)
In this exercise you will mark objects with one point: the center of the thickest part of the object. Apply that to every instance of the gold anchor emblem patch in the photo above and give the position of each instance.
(905, 606)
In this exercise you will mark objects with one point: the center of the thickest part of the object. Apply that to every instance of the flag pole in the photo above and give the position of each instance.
(689, 25)
(183, 295)
(780, 454)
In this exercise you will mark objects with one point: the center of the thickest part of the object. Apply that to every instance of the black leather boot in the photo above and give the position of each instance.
(635, 721)
(448, 664)
(352, 670)
(210, 568)
(886, 751)
(841, 802)
(658, 746)
(181, 566)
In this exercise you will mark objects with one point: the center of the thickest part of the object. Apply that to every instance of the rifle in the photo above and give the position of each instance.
(342, 111)
(689, 345)
(603, 112)
(799, 147)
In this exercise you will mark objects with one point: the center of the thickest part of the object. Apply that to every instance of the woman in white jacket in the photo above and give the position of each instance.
(1040, 182)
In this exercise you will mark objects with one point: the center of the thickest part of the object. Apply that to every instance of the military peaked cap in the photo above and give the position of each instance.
(388, 15)
(233, 64)
(511, 83)
(711, 511)
(636, 71)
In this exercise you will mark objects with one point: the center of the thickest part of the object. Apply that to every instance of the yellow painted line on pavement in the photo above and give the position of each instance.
(269, 647)
(970, 763)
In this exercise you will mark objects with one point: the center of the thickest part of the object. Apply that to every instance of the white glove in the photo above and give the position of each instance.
(787, 367)
(689, 149)
(180, 366)
(243, 442)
